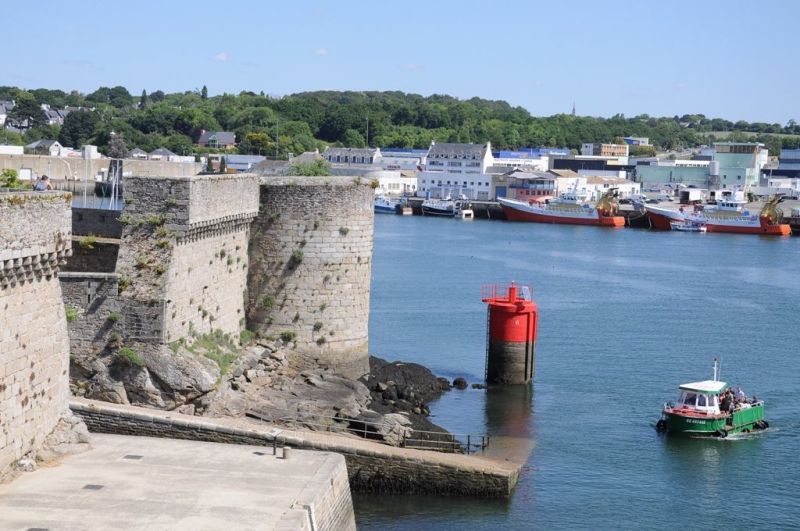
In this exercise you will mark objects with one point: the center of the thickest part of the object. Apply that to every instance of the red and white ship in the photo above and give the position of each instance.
(768, 221)
(726, 217)
(569, 208)
(729, 203)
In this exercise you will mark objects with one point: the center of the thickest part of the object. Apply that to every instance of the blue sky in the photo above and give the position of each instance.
(730, 59)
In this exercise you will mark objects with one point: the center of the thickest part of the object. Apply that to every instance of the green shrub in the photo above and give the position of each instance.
(72, 313)
(87, 242)
(114, 317)
(343, 231)
(321, 340)
(268, 301)
(246, 336)
(296, 258)
(163, 244)
(288, 336)
(131, 356)
(317, 326)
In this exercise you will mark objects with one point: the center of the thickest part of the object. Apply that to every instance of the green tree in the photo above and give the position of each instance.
(117, 148)
(204, 93)
(319, 167)
(27, 108)
(223, 165)
(143, 99)
(353, 138)
(78, 128)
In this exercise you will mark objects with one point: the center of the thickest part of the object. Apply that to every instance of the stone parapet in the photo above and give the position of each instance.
(35, 235)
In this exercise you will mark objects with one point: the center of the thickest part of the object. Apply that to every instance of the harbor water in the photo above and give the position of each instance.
(625, 316)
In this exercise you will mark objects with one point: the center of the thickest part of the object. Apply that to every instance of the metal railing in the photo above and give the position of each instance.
(409, 438)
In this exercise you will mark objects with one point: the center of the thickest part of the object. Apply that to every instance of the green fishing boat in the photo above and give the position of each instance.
(710, 408)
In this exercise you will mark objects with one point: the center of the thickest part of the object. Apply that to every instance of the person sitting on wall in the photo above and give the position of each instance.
(43, 184)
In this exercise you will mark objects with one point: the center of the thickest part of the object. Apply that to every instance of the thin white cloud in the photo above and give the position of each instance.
(221, 57)
(321, 51)
(413, 66)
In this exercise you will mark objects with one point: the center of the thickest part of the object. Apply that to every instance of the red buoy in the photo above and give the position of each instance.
(512, 319)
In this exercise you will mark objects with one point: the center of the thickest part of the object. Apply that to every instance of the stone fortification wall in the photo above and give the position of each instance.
(310, 266)
(99, 222)
(184, 244)
(34, 347)
(91, 300)
(92, 255)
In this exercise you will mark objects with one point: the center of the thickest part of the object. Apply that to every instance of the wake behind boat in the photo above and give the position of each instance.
(567, 209)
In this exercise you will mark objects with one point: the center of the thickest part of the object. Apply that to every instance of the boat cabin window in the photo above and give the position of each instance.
(689, 399)
(701, 401)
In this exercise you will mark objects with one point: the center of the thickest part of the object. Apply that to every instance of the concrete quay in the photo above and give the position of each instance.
(371, 466)
(154, 484)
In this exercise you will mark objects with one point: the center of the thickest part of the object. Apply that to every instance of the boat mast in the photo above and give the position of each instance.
(716, 368)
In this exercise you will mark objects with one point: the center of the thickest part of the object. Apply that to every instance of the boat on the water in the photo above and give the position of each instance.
(440, 207)
(384, 205)
(726, 216)
(569, 208)
(709, 408)
(769, 221)
(688, 226)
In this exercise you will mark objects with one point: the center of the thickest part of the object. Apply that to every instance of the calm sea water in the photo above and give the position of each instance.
(625, 316)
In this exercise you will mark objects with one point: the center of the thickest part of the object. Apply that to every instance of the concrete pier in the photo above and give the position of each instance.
(146, 483)
(371, 466)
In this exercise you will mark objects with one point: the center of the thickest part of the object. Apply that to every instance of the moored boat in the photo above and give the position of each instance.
(709, 408)
(688, 226)
(439, 207)
(567, 209)
(384, 205)
(769, 221)
(662, 218)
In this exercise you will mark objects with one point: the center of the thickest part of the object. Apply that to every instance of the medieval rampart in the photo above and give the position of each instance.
(34, 347)
(310, 266)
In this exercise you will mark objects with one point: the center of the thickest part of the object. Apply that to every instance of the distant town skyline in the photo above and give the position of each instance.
(734, 60)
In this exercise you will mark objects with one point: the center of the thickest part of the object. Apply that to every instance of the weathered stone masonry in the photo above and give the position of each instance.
(310, 267)
(184, 252)
(35, 238)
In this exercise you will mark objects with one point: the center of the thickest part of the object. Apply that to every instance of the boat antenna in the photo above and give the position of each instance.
(716, 368)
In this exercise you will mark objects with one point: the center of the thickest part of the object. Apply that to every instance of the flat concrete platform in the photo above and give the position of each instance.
(146, 483)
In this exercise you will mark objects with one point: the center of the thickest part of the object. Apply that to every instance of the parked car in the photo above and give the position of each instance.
(652, 201)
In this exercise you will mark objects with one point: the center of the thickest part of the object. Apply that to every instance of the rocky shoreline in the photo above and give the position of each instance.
(266, 381)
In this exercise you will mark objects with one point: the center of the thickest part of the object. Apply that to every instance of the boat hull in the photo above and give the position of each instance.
(385, 209)
(524, 212)
(741, 420)
(748, 226)
(662, 218)
(431, 211)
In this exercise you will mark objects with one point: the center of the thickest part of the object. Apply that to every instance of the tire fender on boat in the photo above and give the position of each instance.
(722, 434)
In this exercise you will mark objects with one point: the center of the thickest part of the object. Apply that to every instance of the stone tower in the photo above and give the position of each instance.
(35, 238)
(310, 267)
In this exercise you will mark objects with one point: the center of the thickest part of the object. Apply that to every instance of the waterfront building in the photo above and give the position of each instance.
(44, 147)
(352, 156)
(394, 182)
(591, 165)
(655, 171)
(402, 159)
(242, 163)
(740, 164)
(597, 185)
(458, 169)
(637, 140)
(605, 150)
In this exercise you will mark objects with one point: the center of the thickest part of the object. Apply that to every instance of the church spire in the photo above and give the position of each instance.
(573, 108)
